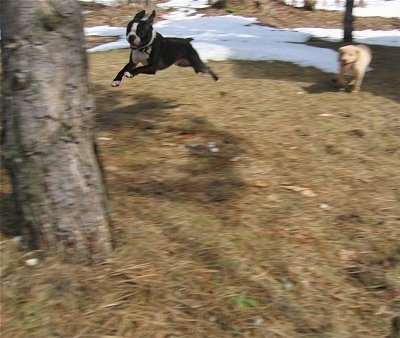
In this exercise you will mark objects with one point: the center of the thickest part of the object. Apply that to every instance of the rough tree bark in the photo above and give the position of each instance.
(348, 21)
(48, 142)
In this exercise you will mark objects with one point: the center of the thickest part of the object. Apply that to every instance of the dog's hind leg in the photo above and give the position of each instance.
(198, 65)
(208, 70)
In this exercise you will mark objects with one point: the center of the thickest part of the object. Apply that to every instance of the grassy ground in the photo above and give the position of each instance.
(290, 229)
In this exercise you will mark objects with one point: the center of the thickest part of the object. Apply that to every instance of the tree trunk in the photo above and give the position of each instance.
(348, 21)
(309, 5)
(48, 141)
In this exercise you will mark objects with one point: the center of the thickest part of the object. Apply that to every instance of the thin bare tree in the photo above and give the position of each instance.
(348, 21)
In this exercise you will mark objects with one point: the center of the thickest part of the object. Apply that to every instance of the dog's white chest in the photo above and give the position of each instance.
(140, 56)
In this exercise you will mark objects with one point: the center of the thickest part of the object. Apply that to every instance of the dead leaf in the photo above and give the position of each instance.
(259, 184)
(304, 191)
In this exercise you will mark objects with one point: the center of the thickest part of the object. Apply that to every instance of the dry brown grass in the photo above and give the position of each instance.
(291, 229)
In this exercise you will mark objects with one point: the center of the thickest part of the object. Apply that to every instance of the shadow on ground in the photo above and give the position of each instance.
(153, 136)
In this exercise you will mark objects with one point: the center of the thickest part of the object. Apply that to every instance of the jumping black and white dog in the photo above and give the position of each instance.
(156, 52)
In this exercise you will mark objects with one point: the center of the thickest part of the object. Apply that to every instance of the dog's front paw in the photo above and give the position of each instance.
(127, 74)
(115, 83)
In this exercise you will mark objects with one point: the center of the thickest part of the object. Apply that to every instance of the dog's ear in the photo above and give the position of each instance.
(140, 15)
(150, 19)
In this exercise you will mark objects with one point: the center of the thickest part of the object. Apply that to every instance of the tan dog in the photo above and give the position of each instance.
(354, 61)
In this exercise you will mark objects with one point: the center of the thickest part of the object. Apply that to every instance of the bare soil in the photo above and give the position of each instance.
(263, 205)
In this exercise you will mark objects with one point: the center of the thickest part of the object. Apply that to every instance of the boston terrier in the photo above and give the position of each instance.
(156, 52)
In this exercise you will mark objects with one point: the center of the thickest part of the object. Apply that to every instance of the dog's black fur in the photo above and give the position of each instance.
(156, 52)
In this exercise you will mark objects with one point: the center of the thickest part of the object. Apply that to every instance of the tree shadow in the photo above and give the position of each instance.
(383, 80)
(112, 116)
(206, 177)
(323, 86)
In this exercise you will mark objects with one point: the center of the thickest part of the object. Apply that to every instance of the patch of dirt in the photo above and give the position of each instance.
(279, 15)
(96, 15)
(271, 13)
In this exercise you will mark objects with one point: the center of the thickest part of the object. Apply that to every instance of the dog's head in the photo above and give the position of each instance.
(139, 32)
(348, 54)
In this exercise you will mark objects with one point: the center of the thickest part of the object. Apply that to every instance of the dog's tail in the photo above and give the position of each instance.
(189, 39)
